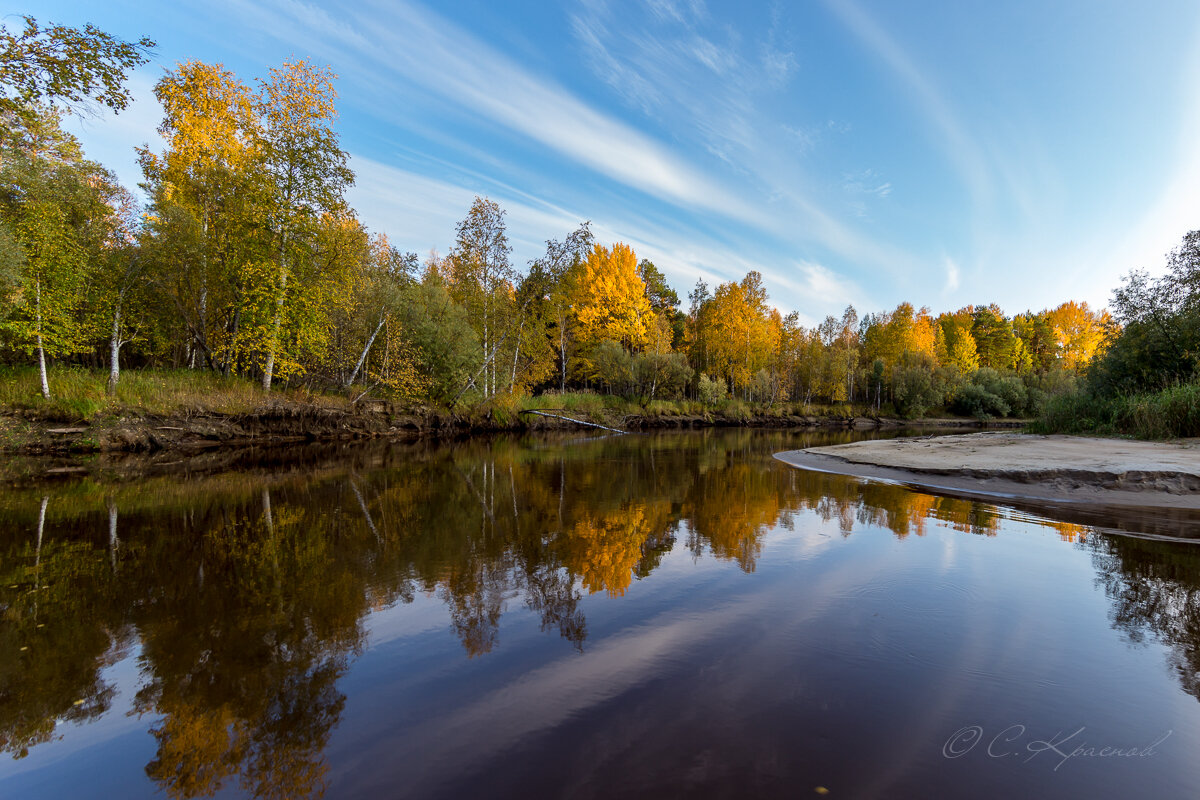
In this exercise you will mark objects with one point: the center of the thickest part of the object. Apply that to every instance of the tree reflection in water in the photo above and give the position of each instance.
(1154, 587)
(247, 590)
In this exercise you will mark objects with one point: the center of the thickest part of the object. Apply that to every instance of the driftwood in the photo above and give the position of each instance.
(576, 421)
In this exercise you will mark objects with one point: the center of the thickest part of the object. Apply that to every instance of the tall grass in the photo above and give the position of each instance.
(79, 394)
(1171, 413)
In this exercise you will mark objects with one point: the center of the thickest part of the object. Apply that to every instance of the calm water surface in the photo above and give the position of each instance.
(644, 616)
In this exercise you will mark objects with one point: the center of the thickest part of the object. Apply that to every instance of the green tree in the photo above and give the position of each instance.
(1159, 320)
(482, 281)
(54, 205)
(547, 290)
(994, 338)
(445, 341)
(58, 64)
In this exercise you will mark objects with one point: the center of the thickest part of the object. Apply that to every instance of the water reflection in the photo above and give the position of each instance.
(1154, 587)
(245, 592)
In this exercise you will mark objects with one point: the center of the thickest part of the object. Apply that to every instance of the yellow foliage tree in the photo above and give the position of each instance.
(610, 298)
(741, 337)
(1079, 332)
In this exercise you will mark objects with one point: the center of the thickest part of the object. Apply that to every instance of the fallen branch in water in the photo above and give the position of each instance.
(576, 421)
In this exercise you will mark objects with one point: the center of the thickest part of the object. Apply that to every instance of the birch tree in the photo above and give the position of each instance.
(52, 205)
(205, 193)
(482, 281)
(309, 174)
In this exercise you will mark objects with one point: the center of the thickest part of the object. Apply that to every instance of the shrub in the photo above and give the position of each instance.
(973, 400)
(662, 374)
(711, 390)
(612, 365)
(915, 391)
(1172, 412)
(1081, 412)
(735, 409)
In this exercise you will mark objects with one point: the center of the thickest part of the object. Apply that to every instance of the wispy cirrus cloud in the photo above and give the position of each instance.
(419, 213)
(409, 45)
(406, 49)
(650, 62)
(960, 146)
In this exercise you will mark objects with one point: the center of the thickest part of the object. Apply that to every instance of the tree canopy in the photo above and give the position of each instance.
(61, 65)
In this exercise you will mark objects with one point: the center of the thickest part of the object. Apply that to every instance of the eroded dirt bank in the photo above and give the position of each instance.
(1068, 469)
(290, 423)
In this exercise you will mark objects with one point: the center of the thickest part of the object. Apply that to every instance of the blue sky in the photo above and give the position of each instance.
(1023, 153)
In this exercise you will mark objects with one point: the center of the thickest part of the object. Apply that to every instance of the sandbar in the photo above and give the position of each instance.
(998, 465)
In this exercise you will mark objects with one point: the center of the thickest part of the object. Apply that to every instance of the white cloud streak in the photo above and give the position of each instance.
(410, 44)
(419, 214)
(952, 276)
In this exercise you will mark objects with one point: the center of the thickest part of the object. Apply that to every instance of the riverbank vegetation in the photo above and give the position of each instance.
(1147, 382)
(248, 265)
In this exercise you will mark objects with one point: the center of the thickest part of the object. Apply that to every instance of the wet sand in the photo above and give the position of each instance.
(1063, 469)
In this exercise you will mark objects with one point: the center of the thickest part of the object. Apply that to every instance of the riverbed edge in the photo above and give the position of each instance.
(283, 424)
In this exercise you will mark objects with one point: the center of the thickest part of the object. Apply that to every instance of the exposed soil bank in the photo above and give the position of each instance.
(291, 423)
(1062, 469)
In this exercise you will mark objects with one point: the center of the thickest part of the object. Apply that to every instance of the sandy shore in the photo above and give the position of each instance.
(1065, 469)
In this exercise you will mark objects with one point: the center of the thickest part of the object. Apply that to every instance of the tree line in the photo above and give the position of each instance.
(248, 260)
(1147, 381)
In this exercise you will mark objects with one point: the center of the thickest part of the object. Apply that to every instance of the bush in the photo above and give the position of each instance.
(915, 391)
(612, 365)
(735, 409)
(1081, 412)
(1170, 413)
(661, 374)
(973, 400)
(1037, 401)
(711, 390)
(988, 393)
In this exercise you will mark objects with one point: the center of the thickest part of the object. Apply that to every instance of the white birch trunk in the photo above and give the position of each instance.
(269, 368)
(114, 351)
(40, 349)
(363, 358)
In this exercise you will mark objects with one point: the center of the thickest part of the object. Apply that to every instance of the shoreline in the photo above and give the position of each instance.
(1005, 467)
(286, 424)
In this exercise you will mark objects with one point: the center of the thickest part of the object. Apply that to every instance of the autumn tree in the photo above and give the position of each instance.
(308, 174)
(207, 192)
(610, 299)
(954, 344)
(737, 332)
(1079, 332)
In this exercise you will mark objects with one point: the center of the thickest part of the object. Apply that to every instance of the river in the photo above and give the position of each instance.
(659, 615)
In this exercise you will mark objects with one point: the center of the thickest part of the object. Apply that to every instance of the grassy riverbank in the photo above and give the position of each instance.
(79, 395)
(160, 409)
